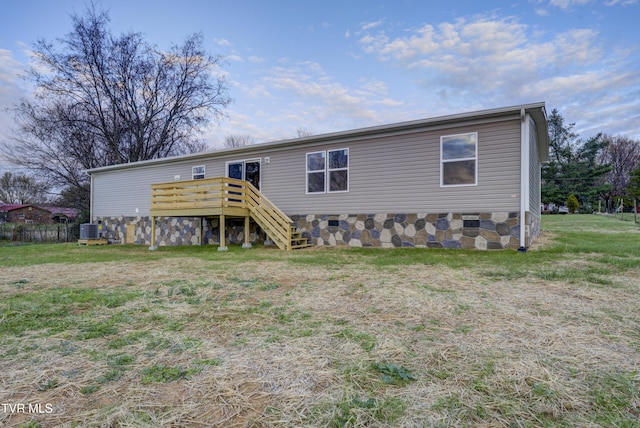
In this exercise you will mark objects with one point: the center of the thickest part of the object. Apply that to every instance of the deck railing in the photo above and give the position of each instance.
(196, 194)
(215, 196)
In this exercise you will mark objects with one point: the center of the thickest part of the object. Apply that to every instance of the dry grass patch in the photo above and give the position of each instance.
(195, 341)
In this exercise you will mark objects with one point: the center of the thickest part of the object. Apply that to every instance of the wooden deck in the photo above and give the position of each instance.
(223, 197)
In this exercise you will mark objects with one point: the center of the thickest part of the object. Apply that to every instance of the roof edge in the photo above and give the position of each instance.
(358, 132)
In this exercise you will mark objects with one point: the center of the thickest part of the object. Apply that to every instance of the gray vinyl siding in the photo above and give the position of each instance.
(534, 171)
(402, 174)
(393, 172)
(120, 192)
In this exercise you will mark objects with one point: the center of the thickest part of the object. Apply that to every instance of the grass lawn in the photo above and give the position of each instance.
(338, 337)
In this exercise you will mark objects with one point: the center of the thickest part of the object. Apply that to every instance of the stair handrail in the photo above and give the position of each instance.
(266, 212)
(224, 192)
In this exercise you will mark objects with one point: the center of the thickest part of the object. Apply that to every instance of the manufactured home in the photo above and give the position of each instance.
(469, 180)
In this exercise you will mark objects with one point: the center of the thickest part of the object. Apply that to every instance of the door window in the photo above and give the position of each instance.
(248, 170)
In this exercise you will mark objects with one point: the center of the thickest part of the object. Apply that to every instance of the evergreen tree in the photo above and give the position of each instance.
(572, 167)
(633, 189)
(573, 204)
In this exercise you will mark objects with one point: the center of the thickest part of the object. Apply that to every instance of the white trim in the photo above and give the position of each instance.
(244, 168)
(326, 171)
(226, 168)
(329, 170)
(443, 161)
(203, 173)
(91, 201)
(524, 174)
(307, 172)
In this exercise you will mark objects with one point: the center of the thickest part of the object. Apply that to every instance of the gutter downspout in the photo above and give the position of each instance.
(524, 177)
(91, 200)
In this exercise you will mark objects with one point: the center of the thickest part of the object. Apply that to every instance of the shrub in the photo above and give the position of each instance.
(573, 204)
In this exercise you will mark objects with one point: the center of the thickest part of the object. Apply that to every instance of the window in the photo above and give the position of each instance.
(458, 160)
(328, 171)
(248, 170)
(316, 172)
(338, 170)
(197, 172)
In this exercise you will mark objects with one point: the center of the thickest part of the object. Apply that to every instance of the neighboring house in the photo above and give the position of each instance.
(469, 180)
(28, 213)
(63, 215)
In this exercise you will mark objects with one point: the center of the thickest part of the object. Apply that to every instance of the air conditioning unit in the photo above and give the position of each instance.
(89, 231)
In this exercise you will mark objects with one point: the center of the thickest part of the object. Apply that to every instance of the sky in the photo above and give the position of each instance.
(338, 65)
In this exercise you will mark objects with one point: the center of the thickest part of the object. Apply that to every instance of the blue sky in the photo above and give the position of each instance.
(336, 65)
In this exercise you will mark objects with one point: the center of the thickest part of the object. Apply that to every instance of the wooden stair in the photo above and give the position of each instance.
(276, 224)
(222, 197)
(297, 241)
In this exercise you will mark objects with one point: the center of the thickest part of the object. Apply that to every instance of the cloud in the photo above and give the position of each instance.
(370, 25)
(306, 96)
(489, 61)
(223, 42)
(620, 2)
(482, 56)
(485, 54)
(566, 4)
(11, 90)
(234, 58)
(9, 67)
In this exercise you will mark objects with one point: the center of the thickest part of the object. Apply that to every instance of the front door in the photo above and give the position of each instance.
(252, 173)
(248, 170)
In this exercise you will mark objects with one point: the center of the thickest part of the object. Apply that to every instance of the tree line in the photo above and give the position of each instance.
(600, 172)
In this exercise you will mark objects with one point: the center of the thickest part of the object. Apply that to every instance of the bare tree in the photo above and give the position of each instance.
(303, 132)
(231, 141)
(104, 100)
(623, 155)
(22, 189)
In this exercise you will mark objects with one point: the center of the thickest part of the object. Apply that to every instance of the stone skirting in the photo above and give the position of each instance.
(496, 230)
(175, 230)
(534, 228)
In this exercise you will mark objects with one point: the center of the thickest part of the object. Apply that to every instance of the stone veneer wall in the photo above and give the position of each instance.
(176, 230)
(534, 227)
(497, 230)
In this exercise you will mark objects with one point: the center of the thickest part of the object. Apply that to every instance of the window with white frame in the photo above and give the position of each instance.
(459, 159)
(316, 172)
(338, 170)
(328, 171)
(197, 172)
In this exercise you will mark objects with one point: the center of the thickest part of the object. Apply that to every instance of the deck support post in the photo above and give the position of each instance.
(153, 246)
(223, 244)
(246, 244)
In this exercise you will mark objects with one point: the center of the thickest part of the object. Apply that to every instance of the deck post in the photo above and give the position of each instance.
(223, 244)
(153, 246)
(246, 244)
